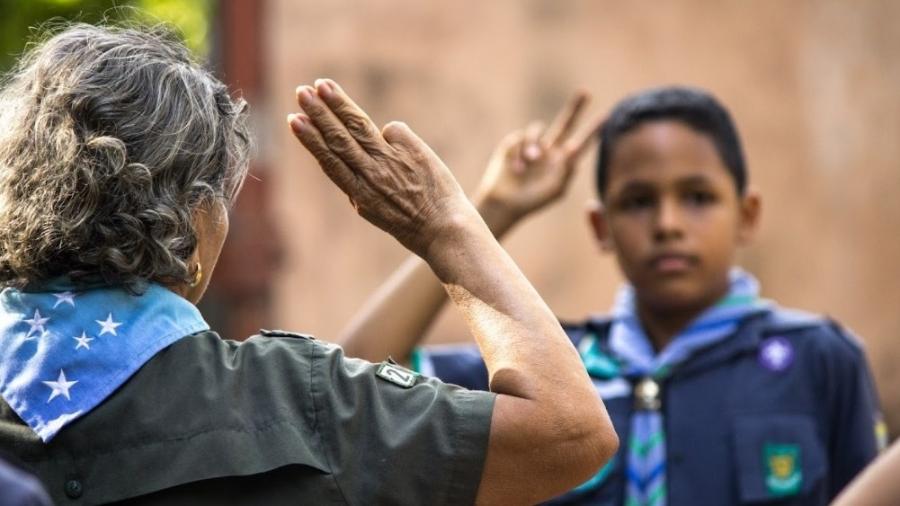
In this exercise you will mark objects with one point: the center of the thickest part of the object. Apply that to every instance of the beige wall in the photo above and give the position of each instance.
(814, 88)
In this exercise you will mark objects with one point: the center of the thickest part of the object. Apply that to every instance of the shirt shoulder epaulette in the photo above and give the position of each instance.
(823, 331)
(789, 320)
(285, 333)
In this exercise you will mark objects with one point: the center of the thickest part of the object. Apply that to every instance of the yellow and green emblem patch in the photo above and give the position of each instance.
(783, 472)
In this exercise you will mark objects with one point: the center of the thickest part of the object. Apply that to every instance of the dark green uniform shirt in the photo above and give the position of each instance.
(277, 419)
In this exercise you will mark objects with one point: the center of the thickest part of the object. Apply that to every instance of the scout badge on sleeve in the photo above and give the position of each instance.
(396, 374)
(782, 466)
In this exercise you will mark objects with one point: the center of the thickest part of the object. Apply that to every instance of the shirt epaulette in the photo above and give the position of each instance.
(791, 321)
(781, 320)
(285, 333)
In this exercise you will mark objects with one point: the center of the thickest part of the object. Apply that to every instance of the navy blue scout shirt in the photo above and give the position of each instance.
(782, 412)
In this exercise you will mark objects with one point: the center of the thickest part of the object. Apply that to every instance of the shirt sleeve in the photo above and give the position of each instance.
(853, 408)
(20, 488)
(458, 364)
(395, 437)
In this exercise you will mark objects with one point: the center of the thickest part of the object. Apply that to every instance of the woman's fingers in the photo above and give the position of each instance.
(333, 166)
(354, 119)
(337, 137)
(398, 133)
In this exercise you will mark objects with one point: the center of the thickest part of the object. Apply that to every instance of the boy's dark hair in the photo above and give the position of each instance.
(695, 107)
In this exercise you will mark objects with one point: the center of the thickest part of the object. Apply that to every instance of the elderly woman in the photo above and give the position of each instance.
(119, 158)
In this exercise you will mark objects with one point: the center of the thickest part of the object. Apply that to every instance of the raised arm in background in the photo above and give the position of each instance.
(528, 170)
(549, 430)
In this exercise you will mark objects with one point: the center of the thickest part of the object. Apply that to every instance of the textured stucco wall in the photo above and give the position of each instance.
(814, 87)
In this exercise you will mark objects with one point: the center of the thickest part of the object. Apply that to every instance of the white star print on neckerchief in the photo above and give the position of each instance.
(37, 323)
(83, 341)
(67, 297)
(108, 326)
(70, 361)
(60, 386)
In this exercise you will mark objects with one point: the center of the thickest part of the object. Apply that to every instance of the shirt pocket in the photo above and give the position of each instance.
(779, 458)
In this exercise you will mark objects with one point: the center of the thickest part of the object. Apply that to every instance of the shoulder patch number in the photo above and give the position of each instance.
(397, 375)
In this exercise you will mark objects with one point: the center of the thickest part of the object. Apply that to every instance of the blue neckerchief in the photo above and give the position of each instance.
(628, 341)
(63, 352)
(634, 357)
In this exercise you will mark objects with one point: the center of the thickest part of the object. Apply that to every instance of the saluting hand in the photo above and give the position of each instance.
(533, 167)
(393, 179)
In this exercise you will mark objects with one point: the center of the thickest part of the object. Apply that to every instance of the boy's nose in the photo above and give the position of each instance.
(668, 223)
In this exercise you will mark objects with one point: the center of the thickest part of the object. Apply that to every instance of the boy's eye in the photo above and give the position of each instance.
(700, 198)
(636, 202)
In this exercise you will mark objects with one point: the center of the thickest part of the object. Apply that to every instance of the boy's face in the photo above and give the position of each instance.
(672, 216)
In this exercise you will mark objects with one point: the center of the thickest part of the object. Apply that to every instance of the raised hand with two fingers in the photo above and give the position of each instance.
(532, 168)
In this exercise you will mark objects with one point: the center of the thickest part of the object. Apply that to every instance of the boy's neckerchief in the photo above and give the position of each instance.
(63, 351)
(635, 359)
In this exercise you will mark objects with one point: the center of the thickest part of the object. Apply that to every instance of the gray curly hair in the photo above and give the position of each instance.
(110, 139)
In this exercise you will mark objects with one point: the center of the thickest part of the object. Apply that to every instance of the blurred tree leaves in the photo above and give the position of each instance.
(20, 20)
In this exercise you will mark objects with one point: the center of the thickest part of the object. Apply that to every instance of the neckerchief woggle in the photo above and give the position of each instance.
(633, 357)
(63, 351)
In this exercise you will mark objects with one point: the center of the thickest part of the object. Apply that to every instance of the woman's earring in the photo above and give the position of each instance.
(198, 275)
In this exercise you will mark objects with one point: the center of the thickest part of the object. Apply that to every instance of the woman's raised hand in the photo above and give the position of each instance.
(393, 179)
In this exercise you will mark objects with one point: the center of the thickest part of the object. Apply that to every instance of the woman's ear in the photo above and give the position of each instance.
(751, 209)
(596, 215)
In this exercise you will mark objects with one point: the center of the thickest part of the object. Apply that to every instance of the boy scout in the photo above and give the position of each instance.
(114, 388)
(722, 397)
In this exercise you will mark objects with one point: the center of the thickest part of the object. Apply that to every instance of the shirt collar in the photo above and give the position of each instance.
(628, 340)
(63, 352)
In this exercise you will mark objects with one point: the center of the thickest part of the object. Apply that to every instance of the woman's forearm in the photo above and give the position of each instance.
(397, 317)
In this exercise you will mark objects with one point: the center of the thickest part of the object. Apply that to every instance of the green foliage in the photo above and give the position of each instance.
(192, 17)
(21, 20)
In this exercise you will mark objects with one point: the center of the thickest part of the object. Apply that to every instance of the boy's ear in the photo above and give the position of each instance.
(751, 209)
(596, 215)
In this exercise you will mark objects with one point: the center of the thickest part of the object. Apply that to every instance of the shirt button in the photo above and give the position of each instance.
(73, 489)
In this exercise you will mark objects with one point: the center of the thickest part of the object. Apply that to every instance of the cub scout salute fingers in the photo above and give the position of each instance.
(566, 121)
(532, 148)
(511, 149)
(579, 144)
